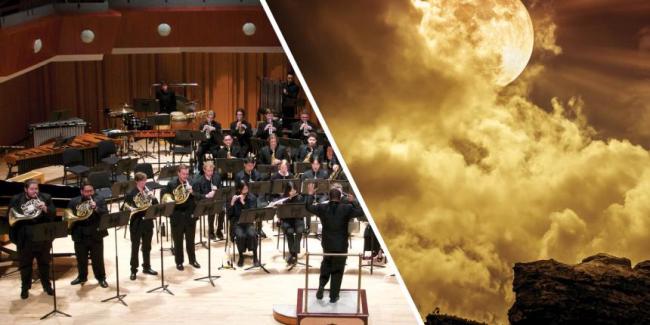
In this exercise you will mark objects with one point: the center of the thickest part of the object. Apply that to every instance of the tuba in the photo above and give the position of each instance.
(84, 210)
(179, 195)
(29, 211)
(142, 201)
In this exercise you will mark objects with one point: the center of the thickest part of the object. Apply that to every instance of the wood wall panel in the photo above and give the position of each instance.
(226, 81)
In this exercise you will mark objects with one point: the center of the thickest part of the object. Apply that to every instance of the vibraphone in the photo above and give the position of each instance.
(47, 154)
(48, 130)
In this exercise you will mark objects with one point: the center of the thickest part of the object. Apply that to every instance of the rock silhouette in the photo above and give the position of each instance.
(602, 289)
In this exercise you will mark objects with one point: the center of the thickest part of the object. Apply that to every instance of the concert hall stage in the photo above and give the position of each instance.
(240, 297)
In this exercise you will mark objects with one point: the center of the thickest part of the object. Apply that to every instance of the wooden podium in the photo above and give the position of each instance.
(352, 307)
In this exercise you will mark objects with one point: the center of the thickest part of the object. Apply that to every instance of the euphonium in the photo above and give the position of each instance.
(84, 210)
(142, 201)
(179, 195)
(28, 210)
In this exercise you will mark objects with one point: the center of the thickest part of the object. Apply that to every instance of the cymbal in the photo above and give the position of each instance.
(120, 112)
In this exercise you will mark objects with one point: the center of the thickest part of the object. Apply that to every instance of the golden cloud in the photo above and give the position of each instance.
(464, 179)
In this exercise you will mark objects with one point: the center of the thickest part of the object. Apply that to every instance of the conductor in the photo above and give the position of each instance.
(335, 216)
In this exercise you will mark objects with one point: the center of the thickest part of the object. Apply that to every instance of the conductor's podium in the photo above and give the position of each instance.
(351, 308)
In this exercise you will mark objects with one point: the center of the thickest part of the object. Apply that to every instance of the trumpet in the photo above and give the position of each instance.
(29, 210)
(83, 211)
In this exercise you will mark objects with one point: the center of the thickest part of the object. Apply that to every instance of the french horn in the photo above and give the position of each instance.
(142, 201)
(83, 211)
(29, 210)
(179, 195)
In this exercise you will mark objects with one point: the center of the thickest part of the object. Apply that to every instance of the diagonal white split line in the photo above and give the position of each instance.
(323, 123)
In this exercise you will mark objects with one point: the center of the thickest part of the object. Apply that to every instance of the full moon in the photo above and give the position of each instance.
(496, 34)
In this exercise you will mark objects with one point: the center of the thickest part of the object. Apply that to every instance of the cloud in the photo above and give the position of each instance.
(463, 178)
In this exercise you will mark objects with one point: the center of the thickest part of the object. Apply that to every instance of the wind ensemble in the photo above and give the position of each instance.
(294, 167)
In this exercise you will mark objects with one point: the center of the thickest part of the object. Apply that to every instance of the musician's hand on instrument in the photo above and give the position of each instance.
(42, 206)
(210, 195)
(335, 168)
(93, 205)
(234, 199)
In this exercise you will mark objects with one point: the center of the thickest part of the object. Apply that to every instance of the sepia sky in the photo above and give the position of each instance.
(465, 178)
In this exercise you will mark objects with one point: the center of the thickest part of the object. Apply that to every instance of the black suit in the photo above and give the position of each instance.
(28, 249)
(243, 233)
(183, 225)
(297, 133)
(290, 99)
(166, 100)
(264, 156)
(334, 217)
(141, 232)
(244, 139)
(293, 228)
(254, 176)
(203, 186)
(304, 150)
(235, 152)
(264, 134)
(321, 174)
(208, 145)
(88, 239)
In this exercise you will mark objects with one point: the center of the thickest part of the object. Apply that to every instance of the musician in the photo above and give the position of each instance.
(315, 172)
(228, 150)
(273, 153)
(248, 174)
(293, 228)
(301, 129)
(86, 236)
(334, 217)
(166, 98)
(182, 222)
(243, 234)
(370, 243)
(212, 129)
(269, 126)
(21, 235)
(204, 188)
(242, 130)
(141, 230)
(290, 92)
(283, 171)
(311, 149)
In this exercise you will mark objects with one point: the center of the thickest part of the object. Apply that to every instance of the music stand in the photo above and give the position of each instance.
(119, 191)
(49, 232)
(156, 121)
(114, 220)
(204, 208)
(277, 186)
(322, 186)
(159, 211)
(196, 137)
(259, 188)
(294, 211)
(257, 216)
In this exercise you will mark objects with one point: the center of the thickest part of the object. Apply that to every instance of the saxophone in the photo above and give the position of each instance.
(29, 210)
(179, 195)
(228, 155)
(335, 174)
(240, 127)
(84, 210)
(142, 201)
(308, 156)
